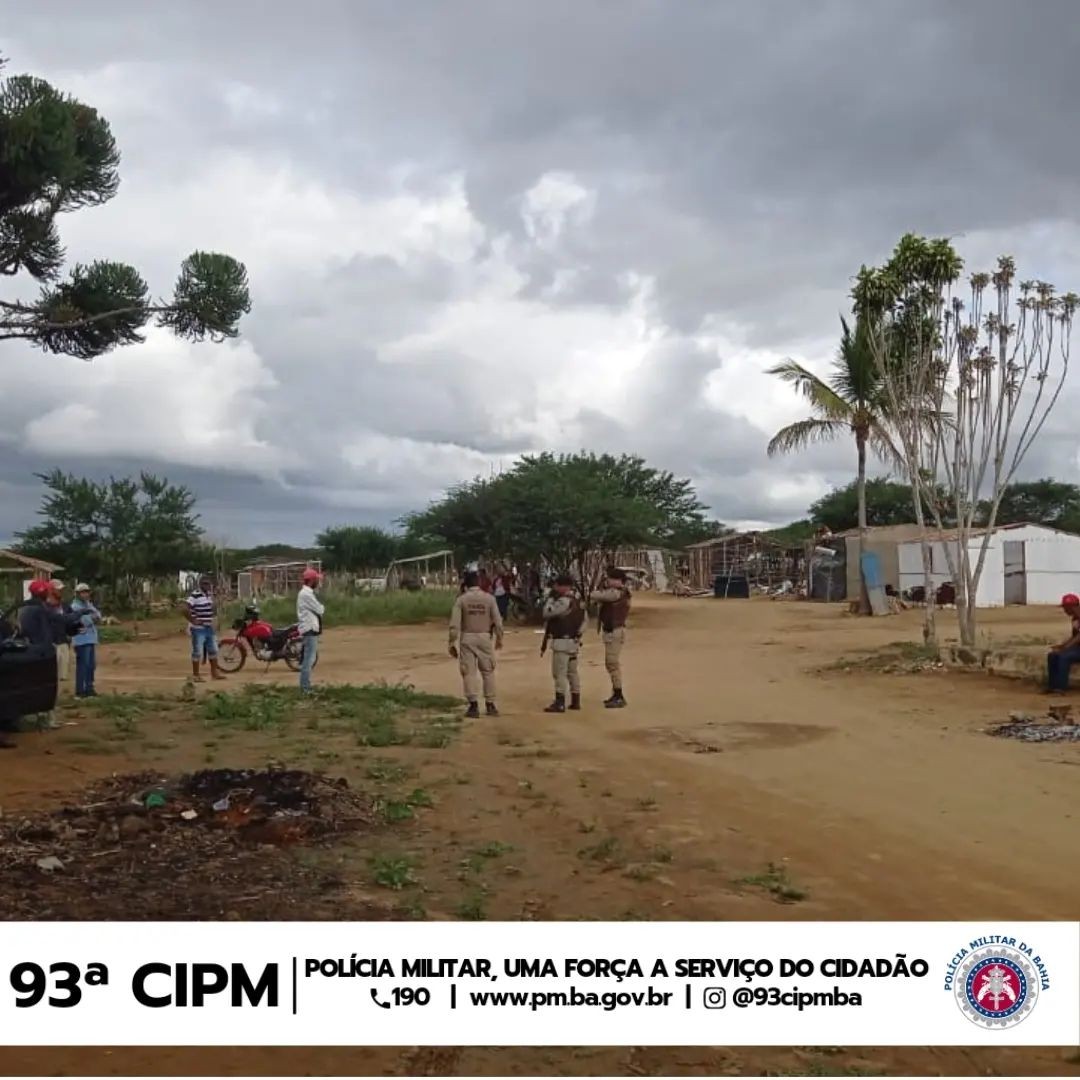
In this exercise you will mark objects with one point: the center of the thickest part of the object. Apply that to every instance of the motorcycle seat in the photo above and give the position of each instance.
(285, 629)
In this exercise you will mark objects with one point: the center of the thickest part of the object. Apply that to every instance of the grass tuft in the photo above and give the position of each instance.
(775, 881)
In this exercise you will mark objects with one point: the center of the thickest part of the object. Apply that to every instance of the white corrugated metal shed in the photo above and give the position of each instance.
(1025, 564)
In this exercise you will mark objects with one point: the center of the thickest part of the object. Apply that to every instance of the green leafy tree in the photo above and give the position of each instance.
(850, 402)
(354, 548)
(886, 502)
(1045, 502)
(901, 303)
(992, 357)
(118, 532)
(58, 155)
(565, 512)
(795, 534)
(685, 535)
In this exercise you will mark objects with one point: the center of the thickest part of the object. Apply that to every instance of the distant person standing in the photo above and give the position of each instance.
(563, 616)
(201, 612)
(614, 600)
(500, 588)
(476, 633)
(85, 641)
(59, 614)
(309, 613)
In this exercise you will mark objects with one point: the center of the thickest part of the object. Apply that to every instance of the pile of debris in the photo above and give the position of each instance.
(204, 845)
(1054, 726)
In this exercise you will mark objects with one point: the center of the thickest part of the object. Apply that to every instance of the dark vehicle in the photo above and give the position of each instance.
(28, 683)
(265, 642)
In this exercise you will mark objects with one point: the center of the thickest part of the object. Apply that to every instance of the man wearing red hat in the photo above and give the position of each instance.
(1062, 657)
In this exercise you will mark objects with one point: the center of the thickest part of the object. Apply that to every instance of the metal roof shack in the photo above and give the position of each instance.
(13, 562)
(764, 562)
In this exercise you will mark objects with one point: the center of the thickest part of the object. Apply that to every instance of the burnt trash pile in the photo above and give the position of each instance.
(205, 845)
(1054, 726)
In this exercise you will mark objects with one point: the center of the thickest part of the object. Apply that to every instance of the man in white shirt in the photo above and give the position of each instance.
(309, 613)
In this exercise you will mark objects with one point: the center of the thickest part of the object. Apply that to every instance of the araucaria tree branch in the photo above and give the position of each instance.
(58, 155)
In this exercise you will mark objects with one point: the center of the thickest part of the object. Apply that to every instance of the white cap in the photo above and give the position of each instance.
(56, 584)
(82, 587)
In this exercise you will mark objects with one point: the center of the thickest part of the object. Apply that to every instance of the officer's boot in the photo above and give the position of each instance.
(558, 705)
(489, 708)
(575, 702)
(616, 701)
(473, 711)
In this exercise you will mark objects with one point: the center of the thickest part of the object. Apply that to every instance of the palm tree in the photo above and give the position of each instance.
(852, 400)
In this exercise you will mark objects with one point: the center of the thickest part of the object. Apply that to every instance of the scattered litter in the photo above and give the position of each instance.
(221, 804)
(116, 843)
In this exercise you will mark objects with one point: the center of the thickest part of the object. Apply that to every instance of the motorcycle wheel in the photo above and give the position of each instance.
(231, 655)
(294, 656)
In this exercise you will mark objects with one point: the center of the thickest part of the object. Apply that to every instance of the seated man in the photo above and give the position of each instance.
(1062, 657)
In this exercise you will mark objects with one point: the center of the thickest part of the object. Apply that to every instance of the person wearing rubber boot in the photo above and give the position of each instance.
(564, 617)
(476, 634)
(614, 600)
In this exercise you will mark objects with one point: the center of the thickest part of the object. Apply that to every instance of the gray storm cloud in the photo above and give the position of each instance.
(476, 230)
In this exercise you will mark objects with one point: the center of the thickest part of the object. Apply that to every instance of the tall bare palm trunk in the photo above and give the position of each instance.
(864, 529)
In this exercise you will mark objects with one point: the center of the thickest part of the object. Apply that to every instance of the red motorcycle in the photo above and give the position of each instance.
(265, 642)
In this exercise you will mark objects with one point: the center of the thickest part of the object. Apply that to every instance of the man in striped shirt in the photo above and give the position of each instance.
(201, 616)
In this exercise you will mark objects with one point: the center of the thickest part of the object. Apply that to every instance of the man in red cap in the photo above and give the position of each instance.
(1062, 657)
(309, 613)
(35, 621)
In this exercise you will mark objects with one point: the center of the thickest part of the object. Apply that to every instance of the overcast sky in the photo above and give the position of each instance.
(483, 228)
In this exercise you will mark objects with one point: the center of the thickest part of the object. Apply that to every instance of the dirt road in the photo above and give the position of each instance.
(875, 796)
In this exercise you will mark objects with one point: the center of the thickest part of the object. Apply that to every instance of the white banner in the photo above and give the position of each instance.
(537, 984)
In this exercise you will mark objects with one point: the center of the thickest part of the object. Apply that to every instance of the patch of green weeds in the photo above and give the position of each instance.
(605, 851)
(388, 771)
(412, 909)
(393, 872)
(896, 658)
(775, 881)
(255, 708)
(397, 810)
(472, 908)
(87, 744)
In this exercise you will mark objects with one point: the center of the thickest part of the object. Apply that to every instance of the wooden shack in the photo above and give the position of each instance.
(433, 571)
(753, 556)
(273, 578)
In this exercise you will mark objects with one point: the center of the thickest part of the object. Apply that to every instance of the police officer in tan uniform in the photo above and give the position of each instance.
(476, 632)
(614, 600)
(564, 617)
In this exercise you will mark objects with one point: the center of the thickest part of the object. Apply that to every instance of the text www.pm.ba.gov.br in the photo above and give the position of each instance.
(712, 997)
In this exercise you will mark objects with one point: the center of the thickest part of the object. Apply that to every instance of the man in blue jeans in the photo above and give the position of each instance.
(1062, 657)
(85, 641)
(309, 613)
(201, 616)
